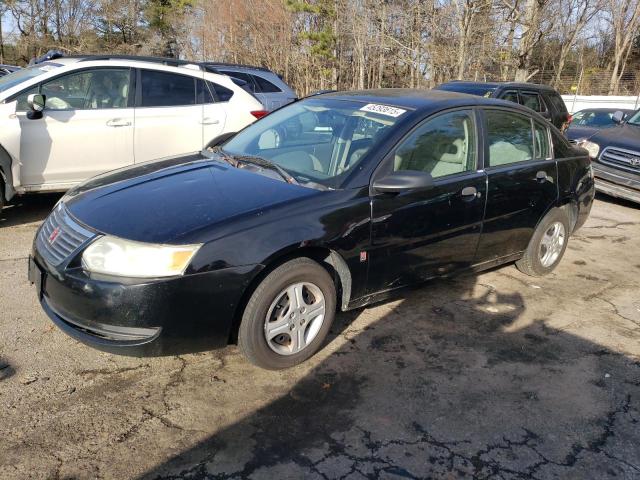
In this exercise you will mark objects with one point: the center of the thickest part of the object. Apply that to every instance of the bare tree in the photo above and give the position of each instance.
(624, 16)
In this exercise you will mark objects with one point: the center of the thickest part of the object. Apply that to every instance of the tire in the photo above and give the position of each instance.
(547, 246)
(277, 333)
(2, 202)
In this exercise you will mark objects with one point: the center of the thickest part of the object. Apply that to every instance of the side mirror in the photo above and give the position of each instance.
(36, 102)
(403, 181)
(618, 116)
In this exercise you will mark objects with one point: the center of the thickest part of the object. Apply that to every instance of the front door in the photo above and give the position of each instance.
(419, 234)
(86, 129)
(523, 182)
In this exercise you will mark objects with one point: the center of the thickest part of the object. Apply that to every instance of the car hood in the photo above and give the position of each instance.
(623, 136)
(170, 201)
(577, 133)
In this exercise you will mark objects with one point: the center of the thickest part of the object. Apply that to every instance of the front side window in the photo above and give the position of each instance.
(317, 140)
(85, 90)
(444, 145)
(164, 89)
(510, 137)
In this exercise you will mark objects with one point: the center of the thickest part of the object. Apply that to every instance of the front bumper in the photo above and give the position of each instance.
(156, 317)
(616, 183)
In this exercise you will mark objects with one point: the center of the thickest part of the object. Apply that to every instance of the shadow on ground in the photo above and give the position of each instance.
(447, 383)
(27, 209)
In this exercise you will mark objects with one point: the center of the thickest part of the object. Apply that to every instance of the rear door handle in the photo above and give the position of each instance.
(470, 193)
(541, 176)
(118, 122)
(209, 121)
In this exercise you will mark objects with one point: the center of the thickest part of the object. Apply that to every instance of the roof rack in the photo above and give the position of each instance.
(171, 62)
(236, 65)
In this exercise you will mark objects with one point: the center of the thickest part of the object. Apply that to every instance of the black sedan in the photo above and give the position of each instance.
(332, 202)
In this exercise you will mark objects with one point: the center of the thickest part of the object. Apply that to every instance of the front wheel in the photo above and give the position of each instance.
(547, 246)
(288, 316)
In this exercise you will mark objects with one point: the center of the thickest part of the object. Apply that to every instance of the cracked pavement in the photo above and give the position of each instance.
(496, 375)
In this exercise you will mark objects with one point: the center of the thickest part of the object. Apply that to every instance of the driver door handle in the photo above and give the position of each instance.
(118, 122)
(470, 193)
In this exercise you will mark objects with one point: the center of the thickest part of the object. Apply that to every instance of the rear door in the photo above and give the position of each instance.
(168, 116)
(427, 232)
(522, 181)
(87, 127)
(214, 101)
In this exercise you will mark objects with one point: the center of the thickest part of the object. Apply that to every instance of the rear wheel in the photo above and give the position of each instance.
(2, 202)
(288, 316)
(547, 246)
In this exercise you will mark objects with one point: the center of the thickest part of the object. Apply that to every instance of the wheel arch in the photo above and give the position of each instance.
(331, 260)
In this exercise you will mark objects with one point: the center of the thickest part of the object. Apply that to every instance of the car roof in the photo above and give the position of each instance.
(418, 99)
(499, 84)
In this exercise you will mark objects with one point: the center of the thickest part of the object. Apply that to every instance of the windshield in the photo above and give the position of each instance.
(13, 79)
(635, 118)
(593, 118)
(317, 140)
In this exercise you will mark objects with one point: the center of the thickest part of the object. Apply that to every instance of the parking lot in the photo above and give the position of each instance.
(497, 375)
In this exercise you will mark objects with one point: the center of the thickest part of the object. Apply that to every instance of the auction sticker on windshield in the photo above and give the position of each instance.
(383, 109)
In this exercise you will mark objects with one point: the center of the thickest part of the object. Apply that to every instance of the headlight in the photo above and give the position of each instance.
(591, 147)
(115, 256)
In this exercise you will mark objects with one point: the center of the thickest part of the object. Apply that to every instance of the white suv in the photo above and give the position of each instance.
(102, 113)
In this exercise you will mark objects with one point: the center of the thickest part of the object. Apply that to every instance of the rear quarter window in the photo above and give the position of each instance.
(265, 86)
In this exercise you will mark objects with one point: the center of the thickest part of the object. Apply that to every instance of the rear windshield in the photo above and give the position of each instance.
(28, 73)
(479, 90)
(557, 102)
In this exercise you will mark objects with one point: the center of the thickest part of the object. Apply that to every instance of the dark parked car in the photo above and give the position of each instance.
(7, 69)
(539, 98)
(332, 202)
(267, 86)
(616, 157)
(585, 123)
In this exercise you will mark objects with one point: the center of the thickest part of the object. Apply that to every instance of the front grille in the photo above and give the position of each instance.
(628, 160)
(60, 236)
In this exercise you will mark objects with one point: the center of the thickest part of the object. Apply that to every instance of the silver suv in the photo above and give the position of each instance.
(267, 86)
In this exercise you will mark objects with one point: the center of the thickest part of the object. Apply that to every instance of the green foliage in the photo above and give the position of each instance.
(321, 15)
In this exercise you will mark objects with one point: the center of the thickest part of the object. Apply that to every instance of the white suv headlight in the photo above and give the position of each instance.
(591, 147)
(126, 258)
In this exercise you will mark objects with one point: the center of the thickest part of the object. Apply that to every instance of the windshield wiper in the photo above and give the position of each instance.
(255, 160)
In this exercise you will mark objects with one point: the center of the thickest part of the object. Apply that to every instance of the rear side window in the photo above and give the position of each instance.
(163, 89)
(444, 145)
(533, 101)
(242, 76)
(223, 93)
(510, 137)
(511, 96)
(541, 141)
(557, 102)
(265, 86)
